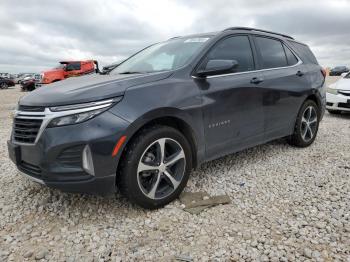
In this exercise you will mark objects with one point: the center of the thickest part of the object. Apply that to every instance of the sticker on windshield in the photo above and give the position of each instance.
(197, 40)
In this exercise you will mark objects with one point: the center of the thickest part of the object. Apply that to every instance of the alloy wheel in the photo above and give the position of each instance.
(3, 86)
(161, 168)
(309, 123)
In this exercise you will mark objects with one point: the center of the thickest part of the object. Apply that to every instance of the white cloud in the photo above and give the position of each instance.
(36, 34)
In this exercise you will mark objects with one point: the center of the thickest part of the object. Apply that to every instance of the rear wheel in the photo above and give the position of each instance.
(4, 86)
(306, 126)
(155, 167)
(334, 112)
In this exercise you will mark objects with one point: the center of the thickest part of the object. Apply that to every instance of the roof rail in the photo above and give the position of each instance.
(174, 37)
(258, 30)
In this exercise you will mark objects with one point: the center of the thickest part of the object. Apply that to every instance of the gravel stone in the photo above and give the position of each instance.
(41, 254)
(28, 254)
(286, 204)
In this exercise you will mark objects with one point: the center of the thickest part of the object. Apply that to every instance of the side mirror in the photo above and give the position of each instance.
(215, 67)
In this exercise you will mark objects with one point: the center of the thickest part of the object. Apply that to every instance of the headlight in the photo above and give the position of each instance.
(78, 113)
(331, 90)
(74, 119)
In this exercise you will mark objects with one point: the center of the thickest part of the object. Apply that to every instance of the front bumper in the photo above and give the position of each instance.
(338, 102)
(56, 158)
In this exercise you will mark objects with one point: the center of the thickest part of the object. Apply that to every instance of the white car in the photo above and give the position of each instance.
(338, 95)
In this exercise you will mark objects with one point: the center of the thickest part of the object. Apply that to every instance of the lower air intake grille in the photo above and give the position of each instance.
(30, 169)
(71, 156)
(344, 105)
(26, 130)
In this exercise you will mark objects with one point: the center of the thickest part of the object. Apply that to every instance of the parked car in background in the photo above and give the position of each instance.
(29, 83)
(338, 95)
(67, 69)
(5, 75)
(174, 105)
(6, 83)
(338, 70)
(19, 77)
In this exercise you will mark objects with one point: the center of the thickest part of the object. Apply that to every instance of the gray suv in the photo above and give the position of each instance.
(143, 126)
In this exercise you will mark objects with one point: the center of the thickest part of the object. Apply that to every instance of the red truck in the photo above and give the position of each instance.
(68, 69)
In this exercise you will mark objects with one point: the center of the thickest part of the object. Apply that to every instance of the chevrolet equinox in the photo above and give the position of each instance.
(147, 123)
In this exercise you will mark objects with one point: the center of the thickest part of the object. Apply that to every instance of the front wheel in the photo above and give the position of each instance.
(3, 86)
(306, 126)
(155, 167)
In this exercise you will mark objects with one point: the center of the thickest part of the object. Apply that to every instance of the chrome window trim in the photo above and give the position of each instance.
(47, 116)
(300, 62)
(252, 71)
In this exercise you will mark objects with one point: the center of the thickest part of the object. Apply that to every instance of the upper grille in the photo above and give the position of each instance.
(25, 130)
(345, 93)
(31, 108)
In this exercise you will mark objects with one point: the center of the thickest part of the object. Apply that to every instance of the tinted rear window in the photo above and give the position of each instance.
(272, 52)
(304, 52)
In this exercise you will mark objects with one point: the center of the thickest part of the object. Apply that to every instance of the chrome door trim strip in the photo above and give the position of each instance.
(253, 71)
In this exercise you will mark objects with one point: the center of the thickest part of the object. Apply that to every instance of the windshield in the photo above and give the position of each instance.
(163, 56)
(60, 66)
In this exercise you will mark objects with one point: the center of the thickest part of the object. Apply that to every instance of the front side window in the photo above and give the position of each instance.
(73, 66)
(272, 53)
(169, 55)
(234, 48)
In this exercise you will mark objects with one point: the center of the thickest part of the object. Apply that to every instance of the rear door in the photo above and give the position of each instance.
(232, 104)
(284, 83)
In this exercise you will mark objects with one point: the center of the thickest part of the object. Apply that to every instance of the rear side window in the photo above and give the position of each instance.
(304, 52)
(234, 48)
(291, 59)
(272, 52)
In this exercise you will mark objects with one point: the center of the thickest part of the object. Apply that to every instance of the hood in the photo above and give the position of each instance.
(343, 84)
(87, 88)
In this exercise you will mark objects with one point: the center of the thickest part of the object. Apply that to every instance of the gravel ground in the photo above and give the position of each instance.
(287, 204)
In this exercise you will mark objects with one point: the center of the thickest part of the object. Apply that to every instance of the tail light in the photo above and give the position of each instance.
(324, 73)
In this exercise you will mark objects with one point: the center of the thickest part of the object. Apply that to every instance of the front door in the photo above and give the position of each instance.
(232, 103)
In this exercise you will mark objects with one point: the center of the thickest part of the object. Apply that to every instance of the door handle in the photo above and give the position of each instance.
(256, 80)
(299, 73)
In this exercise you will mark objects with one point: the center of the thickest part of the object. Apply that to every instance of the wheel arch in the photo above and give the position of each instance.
(320, 101)
(169, 117)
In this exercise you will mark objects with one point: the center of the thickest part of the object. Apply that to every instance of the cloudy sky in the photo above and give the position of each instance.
(36, 34)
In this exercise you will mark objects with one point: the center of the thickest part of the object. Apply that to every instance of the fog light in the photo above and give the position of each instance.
(88, 164)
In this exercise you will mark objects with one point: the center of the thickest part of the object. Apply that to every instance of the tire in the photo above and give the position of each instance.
(334, 112)
(3, 86)
(306, 128)
(157, 187)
